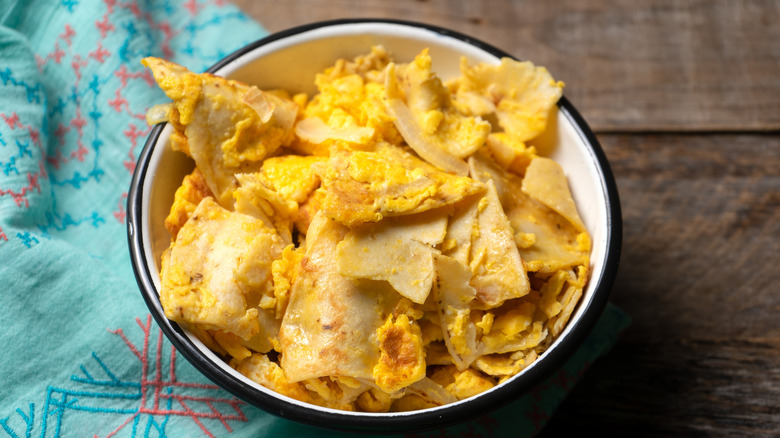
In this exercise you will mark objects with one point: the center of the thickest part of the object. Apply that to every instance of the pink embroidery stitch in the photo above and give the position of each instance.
(68, 34)
(104, 26)
(132, 133)
(120, 213)
(110, 5)
(156, 390)
(79, 122)
(99, 54)
(20, 197)
(77, 64)
(118, 101)
(192, 6)
(123, 76)
(56, 55)
(12, 120)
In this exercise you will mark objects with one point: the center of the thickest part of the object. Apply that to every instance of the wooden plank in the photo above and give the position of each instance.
(700, 387)
(699, 278)
(629, 65)
(701, 224)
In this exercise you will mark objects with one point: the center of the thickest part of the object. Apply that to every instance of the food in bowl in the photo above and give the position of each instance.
(390, 243)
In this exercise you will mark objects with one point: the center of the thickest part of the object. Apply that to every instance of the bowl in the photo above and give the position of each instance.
(289, 60)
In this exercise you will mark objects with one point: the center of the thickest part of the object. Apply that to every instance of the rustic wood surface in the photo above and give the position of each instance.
(630, 65)
(685, 99)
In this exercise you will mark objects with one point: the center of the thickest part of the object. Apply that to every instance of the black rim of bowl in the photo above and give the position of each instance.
(553, 360)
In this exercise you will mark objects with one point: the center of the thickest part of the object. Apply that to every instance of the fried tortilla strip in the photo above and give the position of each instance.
(499, 273)
(367, 186)
(207, 279)
(398, 250)
(330, 326)
(261, 370)
(230, 127)
(544, 181)
(462, 229)
(453, 295)
(507, 364)
(546, 240)
(430, 393)
(483, 168)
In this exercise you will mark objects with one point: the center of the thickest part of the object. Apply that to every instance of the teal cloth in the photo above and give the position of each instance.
(81, 356)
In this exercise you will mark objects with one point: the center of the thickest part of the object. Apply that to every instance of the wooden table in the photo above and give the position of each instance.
(685, 99)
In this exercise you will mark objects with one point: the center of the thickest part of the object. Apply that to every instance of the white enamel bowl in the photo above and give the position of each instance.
(289, 60)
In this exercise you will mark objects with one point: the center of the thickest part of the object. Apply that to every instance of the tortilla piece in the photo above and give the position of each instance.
(253, 198)
(398, 250)
(462, 229)
(544, 181)
(507, 364)
(546, 240)
(568, 298)
(261, 370)
(230, 127)
(315, 131)
(207, 279)
(499, 273)
(431, 392)
(453, 295)
(330, 326)
(510, 153)
(530, 338)
(367, 186)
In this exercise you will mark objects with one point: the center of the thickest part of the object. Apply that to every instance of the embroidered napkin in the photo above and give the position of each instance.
(81, 356)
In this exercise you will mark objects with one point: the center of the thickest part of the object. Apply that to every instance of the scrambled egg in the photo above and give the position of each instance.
(402, 359)
(389, 243)
(367, 186)
(193, 189)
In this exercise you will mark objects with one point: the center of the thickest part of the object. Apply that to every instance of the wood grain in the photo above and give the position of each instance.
(629, 65)
(688, 388)
(699, 277)
(701, 220)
